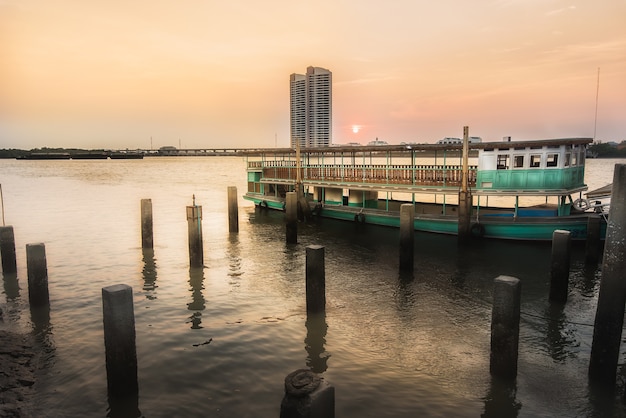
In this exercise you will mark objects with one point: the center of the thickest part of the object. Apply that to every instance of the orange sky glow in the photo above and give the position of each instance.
(203, 73)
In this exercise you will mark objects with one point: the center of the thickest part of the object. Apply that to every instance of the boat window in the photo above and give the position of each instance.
(552, 160)
(502, 162)
(518, 161)
(575, 158)
(535, 160)
(568, 157)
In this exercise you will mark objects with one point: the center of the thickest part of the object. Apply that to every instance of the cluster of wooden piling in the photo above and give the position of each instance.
(306, 393)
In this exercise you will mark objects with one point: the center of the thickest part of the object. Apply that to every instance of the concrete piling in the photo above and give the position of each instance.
(315, 279)
(233, 210)
(291, 217)
(147, 240)
(559, 271)
(36, 265)
(194, 229)
(307, 395)
(465, 195)
(7, 250)
(119, 340)
(505, 319)
(607, 331)
(593, 242)
(407, 231)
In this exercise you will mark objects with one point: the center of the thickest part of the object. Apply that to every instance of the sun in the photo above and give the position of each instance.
(355, 129)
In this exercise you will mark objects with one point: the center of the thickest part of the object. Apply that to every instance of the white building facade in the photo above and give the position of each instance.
(311, 108)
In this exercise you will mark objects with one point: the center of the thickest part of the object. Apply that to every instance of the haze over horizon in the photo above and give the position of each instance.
(139, 74)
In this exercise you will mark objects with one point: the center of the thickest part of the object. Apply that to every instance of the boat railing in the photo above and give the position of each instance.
(418, 175)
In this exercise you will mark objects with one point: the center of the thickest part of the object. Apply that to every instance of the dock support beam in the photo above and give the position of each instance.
(505, 319)
(291, 217)
(119, 340)
(315, 280)
(7, 250)
(407, 232)
(607, 331)
(233, 210)
(38, 295)
(593, 243)
(147, 240)
(194, 228)
(559, 271)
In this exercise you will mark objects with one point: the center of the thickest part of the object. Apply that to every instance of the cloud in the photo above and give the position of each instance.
(559, 11)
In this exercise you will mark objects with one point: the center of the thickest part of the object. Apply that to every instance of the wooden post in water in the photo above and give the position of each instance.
(505, 319)
(233, 210)
(291, 217)
(119, 340)
(36, 265)
(315, 279)
(307, 395)
(407, 232)
(465, 195)
(7, 250)
(593, 243)
(607, 331)
(194, 229)
(147, 240)
(559, 271)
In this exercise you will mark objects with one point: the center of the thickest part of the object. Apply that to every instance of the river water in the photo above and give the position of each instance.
(393, 346)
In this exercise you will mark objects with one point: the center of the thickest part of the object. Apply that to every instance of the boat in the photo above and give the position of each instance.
(520, 190)
(90, 155)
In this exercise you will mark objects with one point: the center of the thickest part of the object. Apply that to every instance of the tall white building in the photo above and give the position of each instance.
(311, 101)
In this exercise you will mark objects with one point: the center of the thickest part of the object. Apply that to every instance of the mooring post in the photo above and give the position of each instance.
(37, 275)
(505, 317)
(465, 195)
(147, 240)
(194, 229)
(315, 279)
(593, 243)
(607, 331)
(559, 271)
(233, 210)
(7, 250)
(291, 217)
(407, 232)
(119, 340)
(307, 395)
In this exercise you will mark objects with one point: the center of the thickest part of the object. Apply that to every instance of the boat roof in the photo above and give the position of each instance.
(422, 147)
(604, 191)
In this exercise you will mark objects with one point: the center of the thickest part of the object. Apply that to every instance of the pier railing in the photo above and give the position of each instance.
(410, 175)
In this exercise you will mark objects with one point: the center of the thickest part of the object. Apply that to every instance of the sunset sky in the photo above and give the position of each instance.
(204, 73)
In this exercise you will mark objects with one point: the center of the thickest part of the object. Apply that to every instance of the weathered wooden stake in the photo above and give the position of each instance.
(194, 229)
(291, 217)
(593, 243)
(147, 240)
(119, 340)
(233, 210)
(505, 319)
(7, 250)
(607, 331)
(407, 232)
(307, 395)
(559, 272)
(315, 279)
(37, 275)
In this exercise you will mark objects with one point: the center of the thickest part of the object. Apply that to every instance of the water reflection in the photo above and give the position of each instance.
(234, 264)
(557, 334)
(405, 294)
(500, 401)
(149, 273)
(127, 407)
(196, 282)
(42, 330)
(316, 328)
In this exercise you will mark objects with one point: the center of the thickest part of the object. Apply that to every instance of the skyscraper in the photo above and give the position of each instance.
(311, 108)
